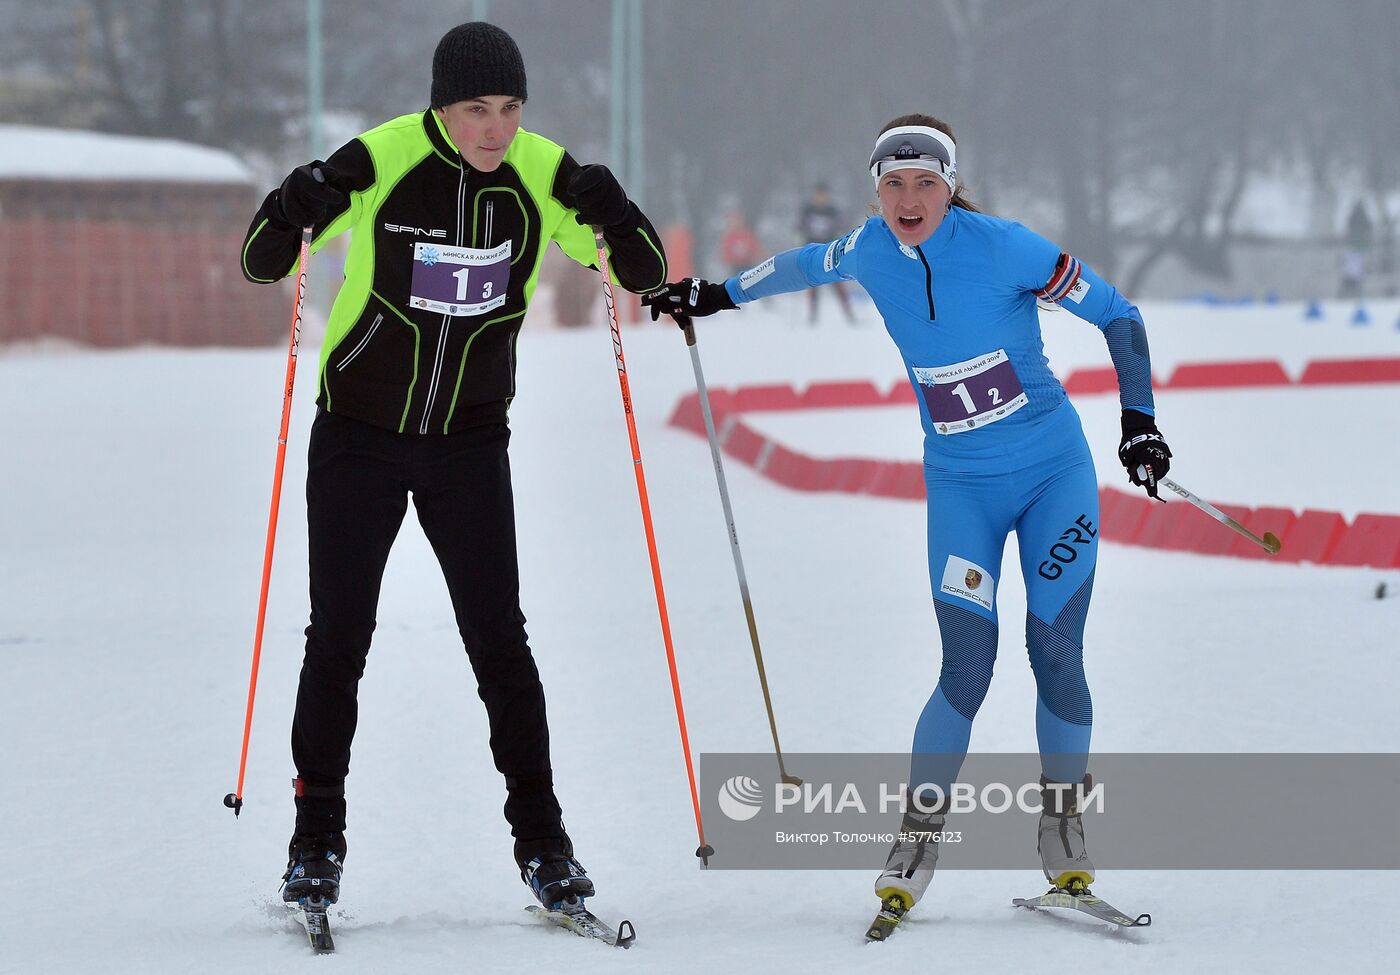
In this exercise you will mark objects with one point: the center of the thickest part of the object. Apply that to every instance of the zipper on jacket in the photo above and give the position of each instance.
(378, 319)
(435, 382)
(490, 219)
(928, 282)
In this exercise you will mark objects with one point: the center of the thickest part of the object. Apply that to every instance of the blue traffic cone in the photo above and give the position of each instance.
(1359, 317)
(1314, 310)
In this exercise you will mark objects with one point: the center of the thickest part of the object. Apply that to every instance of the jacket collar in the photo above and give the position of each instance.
(937, 242)
(943, 236)
(442, 143)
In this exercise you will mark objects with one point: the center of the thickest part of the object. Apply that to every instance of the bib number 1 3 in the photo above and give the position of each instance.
(462, 276)
(459, 281)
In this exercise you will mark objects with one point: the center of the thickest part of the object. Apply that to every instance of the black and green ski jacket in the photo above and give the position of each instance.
(392, 355)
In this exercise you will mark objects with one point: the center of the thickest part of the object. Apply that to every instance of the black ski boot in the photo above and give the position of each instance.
(314, 864)
(558, 880)
(547, 864)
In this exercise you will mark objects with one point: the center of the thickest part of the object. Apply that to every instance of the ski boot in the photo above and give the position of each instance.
(1060, 838)
(314, 865)
(909, 867)
(558, 880)
(548, 866)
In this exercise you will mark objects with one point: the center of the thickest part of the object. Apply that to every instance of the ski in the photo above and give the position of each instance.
(892, 911)
(1085, 902)
(312, 913)
(584, 923)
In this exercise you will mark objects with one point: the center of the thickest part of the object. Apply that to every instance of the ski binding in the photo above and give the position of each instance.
(892, 911)
(573, 916)
(1082, 899)
(312, 912)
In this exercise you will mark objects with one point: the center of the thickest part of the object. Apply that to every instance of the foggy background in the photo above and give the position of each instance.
(1230, 147)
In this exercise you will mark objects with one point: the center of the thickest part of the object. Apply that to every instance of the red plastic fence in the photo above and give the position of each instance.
(1103, 380)
(1351, 371)
(1323, 537)
(1219, 375)
(118, 283)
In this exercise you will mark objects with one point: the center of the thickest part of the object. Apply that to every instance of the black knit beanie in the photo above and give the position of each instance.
(473, 60)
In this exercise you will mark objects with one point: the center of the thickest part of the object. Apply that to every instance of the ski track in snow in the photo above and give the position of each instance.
(135, 504)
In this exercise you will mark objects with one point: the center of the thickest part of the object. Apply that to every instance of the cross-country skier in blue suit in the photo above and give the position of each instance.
(1003, 451)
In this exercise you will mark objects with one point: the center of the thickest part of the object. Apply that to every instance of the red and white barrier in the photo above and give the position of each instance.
(1321, 537)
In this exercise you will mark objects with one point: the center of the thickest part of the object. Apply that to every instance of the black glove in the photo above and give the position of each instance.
(1143, 451)
(308, 194)
(597, 196)
(689, 298)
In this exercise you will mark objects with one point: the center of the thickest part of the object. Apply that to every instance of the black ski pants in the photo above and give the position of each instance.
(359, 478)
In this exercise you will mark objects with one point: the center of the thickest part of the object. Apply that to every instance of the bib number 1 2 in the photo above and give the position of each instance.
(961, 392)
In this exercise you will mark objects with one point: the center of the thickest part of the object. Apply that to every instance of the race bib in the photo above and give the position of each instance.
(971, 394)
(459, 280)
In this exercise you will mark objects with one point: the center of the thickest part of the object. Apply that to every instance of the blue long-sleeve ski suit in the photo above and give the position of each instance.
(1003, 451)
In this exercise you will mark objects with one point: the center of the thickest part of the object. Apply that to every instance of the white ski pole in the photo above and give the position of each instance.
(1268, 543)
(689, 329)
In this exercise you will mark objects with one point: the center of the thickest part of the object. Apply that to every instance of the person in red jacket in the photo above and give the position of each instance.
(739, 248)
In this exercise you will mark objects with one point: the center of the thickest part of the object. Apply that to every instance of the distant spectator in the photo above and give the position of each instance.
(739, 248)
(1359, 230)
(1359, 238)
(1353, 273)
(820, 221)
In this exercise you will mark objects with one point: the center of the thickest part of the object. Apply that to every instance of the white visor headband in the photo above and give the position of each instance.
(916, 147)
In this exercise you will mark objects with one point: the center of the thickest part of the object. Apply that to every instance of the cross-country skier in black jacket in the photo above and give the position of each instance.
(451, 211)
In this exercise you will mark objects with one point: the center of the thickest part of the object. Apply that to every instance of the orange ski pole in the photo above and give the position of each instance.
(234, 800)
(705, 851)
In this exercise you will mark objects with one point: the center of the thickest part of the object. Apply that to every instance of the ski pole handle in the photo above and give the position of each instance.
(687, 329)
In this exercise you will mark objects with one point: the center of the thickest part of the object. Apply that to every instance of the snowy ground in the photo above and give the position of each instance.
(134, 503)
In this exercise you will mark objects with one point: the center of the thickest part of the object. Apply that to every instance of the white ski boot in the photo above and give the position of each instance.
(909, 867)
(1060, 838)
